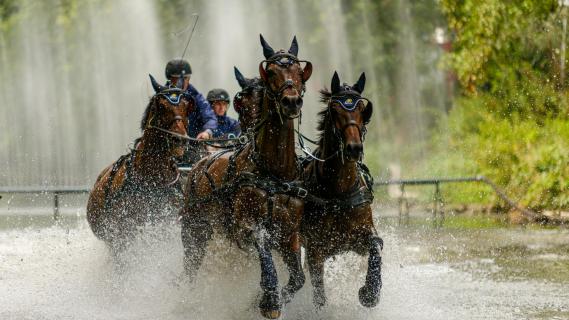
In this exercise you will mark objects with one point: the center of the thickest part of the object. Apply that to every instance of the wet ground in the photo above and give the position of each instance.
(465, 270)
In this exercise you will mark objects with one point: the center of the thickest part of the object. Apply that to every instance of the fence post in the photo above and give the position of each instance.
(56, 206)
(401, 202)
(436, 203)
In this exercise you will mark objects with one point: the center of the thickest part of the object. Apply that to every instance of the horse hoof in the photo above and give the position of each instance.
(271, 314)
(368, 298)
(270, 305)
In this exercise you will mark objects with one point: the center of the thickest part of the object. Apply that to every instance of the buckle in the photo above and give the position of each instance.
(302, 193)
(287, 187)
(243, 139)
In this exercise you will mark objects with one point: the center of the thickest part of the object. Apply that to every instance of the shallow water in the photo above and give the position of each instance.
(63, 272)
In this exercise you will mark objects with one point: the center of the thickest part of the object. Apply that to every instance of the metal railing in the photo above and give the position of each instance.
(56, 191)
(437, 197)
(402, 200)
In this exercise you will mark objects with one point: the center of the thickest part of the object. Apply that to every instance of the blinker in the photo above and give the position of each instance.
(348, 103)
(173, 97)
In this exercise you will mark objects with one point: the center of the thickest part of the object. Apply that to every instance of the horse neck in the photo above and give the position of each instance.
(153, 161)
(275, 144)
(335, 175)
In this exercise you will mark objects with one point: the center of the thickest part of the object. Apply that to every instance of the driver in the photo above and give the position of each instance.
(202, 122)
(226, 127)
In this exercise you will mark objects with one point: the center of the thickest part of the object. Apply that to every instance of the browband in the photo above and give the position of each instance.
(174, 95)
(348, 102)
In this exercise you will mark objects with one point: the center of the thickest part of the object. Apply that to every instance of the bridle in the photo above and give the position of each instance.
(348, 100)
(286, 60)
(174, 97)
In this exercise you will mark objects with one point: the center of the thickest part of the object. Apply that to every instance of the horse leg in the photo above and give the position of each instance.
(296, 275)
(270, 304)
(195, 235)
(316, 269)
(369, 293)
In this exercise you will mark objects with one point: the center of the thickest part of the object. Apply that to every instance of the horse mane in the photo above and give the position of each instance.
(324, 116)
(146, 114)
(253, 82)
(256, 84)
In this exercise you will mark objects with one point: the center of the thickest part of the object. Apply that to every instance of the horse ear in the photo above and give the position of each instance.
(267, 50)
(293, 47)
(240, 78)
(360, 85)
(335, 85)
(368, 111)
(157, 87)
(263, 73)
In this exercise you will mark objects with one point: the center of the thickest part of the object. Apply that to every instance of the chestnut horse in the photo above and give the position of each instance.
(144, 185)
(252, 194)
(337, 215)
(248, 101)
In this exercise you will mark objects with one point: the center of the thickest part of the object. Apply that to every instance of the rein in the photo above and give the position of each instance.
(171, 133)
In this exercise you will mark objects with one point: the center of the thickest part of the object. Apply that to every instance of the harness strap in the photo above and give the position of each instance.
(362, 194)
(355, 199)
(210, 161)
(248, 179)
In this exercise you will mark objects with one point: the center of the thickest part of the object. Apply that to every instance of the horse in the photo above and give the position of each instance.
(248, 100)
(252, 195)
(144, 185)
(337, 215)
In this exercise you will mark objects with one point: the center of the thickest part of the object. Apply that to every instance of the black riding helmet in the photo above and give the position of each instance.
(217, 95)
(177, 67)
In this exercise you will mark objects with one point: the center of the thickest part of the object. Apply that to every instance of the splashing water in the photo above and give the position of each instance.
(64, 272)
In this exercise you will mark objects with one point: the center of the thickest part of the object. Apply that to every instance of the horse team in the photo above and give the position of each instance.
(258, 192)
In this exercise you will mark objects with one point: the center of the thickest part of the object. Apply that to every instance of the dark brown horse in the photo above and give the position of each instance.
(338, 216)
(144, 185)
(252, 194)
(247, 102)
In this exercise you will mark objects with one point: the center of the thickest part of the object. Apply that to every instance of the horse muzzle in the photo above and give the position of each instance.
(354, 151)
(291, 106)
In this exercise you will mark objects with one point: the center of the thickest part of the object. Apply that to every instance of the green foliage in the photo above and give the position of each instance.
(528, 158)
(512, 124)
(494, 35)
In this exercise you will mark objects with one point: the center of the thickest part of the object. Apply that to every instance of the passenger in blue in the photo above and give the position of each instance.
(202, 121)
(226, 127)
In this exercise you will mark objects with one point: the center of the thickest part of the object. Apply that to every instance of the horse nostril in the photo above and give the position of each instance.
(355, 148)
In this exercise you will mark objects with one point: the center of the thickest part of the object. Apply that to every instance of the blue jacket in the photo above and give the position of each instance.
(203, 117)
(226, 126)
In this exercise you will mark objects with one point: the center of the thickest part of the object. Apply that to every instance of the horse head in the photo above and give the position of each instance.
(167, 116)
(247, 102)
(350, 113)
(284, 78)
